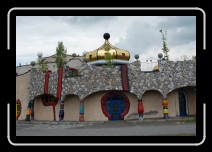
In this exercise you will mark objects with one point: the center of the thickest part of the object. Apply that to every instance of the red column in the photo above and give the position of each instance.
(59, 85)
(140, 109)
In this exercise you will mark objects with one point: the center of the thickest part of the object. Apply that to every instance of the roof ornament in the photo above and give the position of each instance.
(106, 36)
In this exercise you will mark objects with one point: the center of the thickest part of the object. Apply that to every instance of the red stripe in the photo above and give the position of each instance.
(59, 85)
(46, 83)
(124, 77)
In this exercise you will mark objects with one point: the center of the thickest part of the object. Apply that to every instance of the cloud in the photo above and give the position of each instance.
(137, 34)
(85, 20)
(181, 29)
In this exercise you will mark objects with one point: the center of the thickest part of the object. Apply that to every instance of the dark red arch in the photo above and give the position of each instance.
(104, 99)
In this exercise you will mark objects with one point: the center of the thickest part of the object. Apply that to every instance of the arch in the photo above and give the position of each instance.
(71, 106)
(45, 107)
(92, 107)
(152, 103)
(121, 97)
(174, 101)
(179, 87)
(153, 89)
(18, 108)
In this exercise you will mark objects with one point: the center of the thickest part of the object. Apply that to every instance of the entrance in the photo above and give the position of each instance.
(182, 103)
(115, 109)
(115, 105)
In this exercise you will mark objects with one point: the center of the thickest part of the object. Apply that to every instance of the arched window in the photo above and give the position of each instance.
(49, 100)
(115, 105)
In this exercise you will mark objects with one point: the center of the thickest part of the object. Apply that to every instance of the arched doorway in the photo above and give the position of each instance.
(44, 107)
(182, 103)
(115, 105)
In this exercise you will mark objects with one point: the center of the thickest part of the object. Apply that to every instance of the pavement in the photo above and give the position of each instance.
(179, 126)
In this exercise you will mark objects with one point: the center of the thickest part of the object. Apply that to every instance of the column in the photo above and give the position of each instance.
(165, 108)
(140, 109)
(81, 114)
(28, 112)
(32, 109)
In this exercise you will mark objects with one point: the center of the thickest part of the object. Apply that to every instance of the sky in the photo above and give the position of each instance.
(137, 34)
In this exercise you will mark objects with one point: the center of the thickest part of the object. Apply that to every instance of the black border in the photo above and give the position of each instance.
(124, 139)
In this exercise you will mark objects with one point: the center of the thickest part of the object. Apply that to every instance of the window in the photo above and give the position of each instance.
(90, 57)
(49, 100)
(72, 72)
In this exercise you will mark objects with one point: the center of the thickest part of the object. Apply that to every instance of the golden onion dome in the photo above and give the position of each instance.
(101, 52)
(156, 68)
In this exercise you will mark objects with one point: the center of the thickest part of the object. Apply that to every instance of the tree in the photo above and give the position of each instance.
(42, 65)
(60, 55)
(165, 47)
(108, 56)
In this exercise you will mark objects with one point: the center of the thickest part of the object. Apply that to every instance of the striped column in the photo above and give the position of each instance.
(140, 109)
(165, 108)
(28, 112)
(81, 114)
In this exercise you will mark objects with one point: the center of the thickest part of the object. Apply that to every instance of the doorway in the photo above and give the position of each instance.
(115, 105)
(182, 104)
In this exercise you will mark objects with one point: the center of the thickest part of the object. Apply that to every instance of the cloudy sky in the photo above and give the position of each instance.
(137, 34)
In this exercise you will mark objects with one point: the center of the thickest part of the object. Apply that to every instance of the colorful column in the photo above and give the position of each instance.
(81, 114)
(61, 114)
(165, 108)
(28, 112)
(140, 109)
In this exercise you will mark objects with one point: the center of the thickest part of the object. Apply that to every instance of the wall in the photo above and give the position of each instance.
(93, 109)
(133, 104)
(173, 99)
(191, 100)
(171, 75)
(22, 92)
(71, 108)
(92, 79)
(173, 103)
(152, 103)
(42, 112)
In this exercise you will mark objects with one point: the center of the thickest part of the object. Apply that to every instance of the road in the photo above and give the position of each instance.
(118, 128)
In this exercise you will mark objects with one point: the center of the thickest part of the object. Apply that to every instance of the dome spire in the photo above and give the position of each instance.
(106, 36)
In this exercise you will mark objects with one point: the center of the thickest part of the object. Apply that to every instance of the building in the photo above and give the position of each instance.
(86, 89)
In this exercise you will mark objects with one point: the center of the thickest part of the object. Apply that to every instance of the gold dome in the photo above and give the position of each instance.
(156, 68)
(100, 53)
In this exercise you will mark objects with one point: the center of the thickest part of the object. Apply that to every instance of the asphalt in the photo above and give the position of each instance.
(149, 127)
